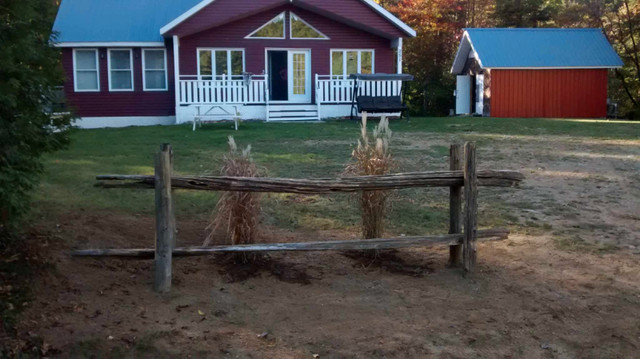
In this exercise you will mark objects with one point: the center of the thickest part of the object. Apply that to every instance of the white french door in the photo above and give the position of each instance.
(299, 76)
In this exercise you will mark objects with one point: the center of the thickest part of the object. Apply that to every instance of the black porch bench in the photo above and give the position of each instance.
(368, 98)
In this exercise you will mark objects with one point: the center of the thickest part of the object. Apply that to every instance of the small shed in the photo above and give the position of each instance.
(547, 72)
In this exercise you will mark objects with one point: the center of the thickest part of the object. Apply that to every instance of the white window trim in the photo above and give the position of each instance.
(291, 14)
(131, 70)
(213, 62)
(75, 71)
(284, 29)
(144, 70)
(344, 60)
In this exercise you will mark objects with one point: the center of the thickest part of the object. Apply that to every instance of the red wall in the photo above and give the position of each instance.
(353, 12)
(232, 35)
(571, 93)
(114, 104)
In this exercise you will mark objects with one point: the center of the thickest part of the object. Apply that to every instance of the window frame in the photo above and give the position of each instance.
(291, 14)
(131, 70)
(212, 50)
(344, 61)
(144, 70)
(284, 29)
(75, 70)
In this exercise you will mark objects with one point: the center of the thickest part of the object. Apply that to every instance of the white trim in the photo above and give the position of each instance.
(389, 16)
(213, 59)
(176, 71)
(109, 44)
(131, 70)
(324, 37)
(177, 21)
(344, 60)
(284, 29)
(144, 70)
(372, 4)
(75, 71)
(399, 56)
(123, 121)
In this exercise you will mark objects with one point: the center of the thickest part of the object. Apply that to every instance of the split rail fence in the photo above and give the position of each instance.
(463, 179)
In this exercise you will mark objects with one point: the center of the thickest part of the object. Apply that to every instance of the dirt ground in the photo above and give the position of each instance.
(567, 285)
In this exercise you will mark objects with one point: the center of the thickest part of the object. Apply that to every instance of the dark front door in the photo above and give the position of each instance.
(278, 71)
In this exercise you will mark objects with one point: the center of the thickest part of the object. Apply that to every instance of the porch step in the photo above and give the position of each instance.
(293, 113)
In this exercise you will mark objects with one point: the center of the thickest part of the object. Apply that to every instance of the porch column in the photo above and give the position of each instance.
(176, 72)
(399, 59)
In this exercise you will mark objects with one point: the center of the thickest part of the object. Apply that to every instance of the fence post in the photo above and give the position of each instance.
(470, 207)
(165, 219)
(455, 205)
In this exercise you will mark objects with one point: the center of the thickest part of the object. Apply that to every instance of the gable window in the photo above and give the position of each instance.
(154, 69)
(274, 29)
(120, 70)
(217, 63)
(347, 62)
(86, 70)
(300, 29)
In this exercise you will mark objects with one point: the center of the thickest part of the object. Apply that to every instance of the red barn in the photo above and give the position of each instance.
(558, 73)
(137, 62)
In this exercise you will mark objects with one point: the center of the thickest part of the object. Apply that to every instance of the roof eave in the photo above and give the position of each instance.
(382, 11)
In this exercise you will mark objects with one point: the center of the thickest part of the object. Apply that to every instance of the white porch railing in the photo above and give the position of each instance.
(223, 90)
(194, 90)
(340, 90)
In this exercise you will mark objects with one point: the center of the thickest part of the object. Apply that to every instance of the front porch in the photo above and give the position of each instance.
(250, 97)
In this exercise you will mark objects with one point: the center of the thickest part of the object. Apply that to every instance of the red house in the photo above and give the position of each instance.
(149, 62)
(533, 72)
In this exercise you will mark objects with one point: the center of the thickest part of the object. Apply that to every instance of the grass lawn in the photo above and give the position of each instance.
(293, 150)
(562, 285)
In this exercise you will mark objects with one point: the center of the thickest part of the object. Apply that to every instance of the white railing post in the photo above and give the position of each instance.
(318, 96)
(266, 95)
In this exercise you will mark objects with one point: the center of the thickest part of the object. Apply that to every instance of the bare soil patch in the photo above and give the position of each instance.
(565, 285)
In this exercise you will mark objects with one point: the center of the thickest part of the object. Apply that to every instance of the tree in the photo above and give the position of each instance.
(621, 22)
(29, 72)
(429, 55)
(524, 13)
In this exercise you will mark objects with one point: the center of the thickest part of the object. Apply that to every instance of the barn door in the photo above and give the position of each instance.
(479, 94)
(463, 95)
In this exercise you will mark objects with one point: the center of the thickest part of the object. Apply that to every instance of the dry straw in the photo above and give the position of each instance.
(237, 213)
(372, 157)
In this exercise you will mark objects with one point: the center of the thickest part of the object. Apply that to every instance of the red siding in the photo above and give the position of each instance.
(115, 104)
(571, 93)
(353, 12)
(232, 35)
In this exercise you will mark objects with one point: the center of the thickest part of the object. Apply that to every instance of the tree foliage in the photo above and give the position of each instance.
(29, 72)
(439, 24)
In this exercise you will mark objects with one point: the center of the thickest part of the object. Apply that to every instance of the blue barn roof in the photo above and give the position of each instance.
(537, 48)
(116, 20)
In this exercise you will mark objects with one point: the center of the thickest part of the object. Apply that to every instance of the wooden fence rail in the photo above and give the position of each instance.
(322, 185)
(463, 179)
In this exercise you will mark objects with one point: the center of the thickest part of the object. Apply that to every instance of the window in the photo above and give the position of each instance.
(220, 62)
(120, 70)
(85, 68)
(154, 70)
(347, 62)
(300, 29)
(274, 29)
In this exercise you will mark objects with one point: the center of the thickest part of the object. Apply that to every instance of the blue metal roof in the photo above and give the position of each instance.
(116, 20)
(498, 48)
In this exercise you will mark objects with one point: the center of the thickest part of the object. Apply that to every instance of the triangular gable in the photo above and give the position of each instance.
(272, 29)
(300, 29)
(363, 14)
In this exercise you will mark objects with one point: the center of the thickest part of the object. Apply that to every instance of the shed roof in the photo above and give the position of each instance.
(536, 48)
